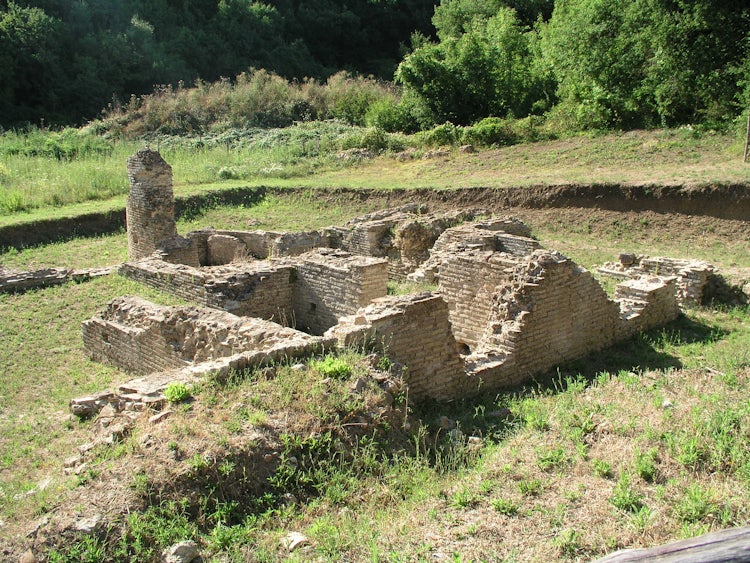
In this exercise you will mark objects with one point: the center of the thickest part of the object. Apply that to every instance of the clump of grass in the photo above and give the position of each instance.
(602, 468)
(645, 464)
(505, 506)
(625, 497)
(695, 505)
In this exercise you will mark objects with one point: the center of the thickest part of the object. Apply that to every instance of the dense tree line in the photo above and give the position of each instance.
(581, 63)
(591, 64)
(64, 60)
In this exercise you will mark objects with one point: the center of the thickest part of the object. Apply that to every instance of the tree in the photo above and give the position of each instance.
(485, 70)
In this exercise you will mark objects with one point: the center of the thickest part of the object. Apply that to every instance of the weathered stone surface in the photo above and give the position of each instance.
(294, 540)
(141, 337)
(691, 276)
(182, 552)
(506, 309)
(223, 249)
(12, 281)
(520, 316)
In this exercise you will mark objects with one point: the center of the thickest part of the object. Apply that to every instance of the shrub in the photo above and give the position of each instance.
(489, 131)
(446, 134)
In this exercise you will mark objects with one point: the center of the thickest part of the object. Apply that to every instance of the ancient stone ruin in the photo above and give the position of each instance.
(501, 308)
(150, 206)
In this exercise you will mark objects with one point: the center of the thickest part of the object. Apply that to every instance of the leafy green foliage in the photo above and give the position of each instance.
(333, 367)
(625, 497)
(63, 62)
(486, 70)
(177, 392)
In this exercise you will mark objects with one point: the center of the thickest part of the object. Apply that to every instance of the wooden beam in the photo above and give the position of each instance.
(727, 546)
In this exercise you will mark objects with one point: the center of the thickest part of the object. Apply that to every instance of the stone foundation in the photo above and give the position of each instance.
(691, 276)
(140, 337)
(331, 284)
(310, 291)
(506, 310)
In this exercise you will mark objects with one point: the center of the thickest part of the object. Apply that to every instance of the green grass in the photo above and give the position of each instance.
(43, 368)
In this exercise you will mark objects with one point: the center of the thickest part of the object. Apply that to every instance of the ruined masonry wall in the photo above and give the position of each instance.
(150, 205)
(139, 336)
(558, 312)
(414, 331)
(468, 282)
(647, 303)
(332, 284)
(258, 289)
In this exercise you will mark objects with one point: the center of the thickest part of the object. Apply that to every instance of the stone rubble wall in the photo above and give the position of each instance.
(646, 303)
(332, 284)
(522, 316)
(504, 234)
(178, 250)
(412, 330)
(310, 291)
(220, 247)
(141, 337)
(150, 205)
(692, 276)
(552, 312)
(255, 289)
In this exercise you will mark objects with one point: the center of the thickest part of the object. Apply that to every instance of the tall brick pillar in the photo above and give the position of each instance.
(150, 206)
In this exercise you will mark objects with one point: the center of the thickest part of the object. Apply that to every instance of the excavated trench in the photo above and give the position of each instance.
(725, 202)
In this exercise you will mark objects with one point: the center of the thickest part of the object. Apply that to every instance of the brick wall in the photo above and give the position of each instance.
(414, 331)
(331, 284)
(468, 282)
(258, 289)
(541, 312)
(552, 312)
(150, 205)
(646, 303)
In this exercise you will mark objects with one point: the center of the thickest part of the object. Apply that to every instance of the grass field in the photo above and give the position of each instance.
(634, 446)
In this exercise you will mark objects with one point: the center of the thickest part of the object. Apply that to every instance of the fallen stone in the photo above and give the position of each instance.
(294, 540)
(88, 525)
(72, 461)
(159, 417)
(358, 386)
(27, 557)
(298, 367)
(182, 552)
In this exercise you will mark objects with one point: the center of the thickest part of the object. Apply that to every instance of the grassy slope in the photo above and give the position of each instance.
(668, 412)
(658, 157)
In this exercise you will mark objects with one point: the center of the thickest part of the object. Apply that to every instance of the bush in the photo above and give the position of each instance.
(488, 132)
(375, 140)
(446, 134)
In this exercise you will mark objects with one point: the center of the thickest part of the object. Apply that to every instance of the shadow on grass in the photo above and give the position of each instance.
(643, 352)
